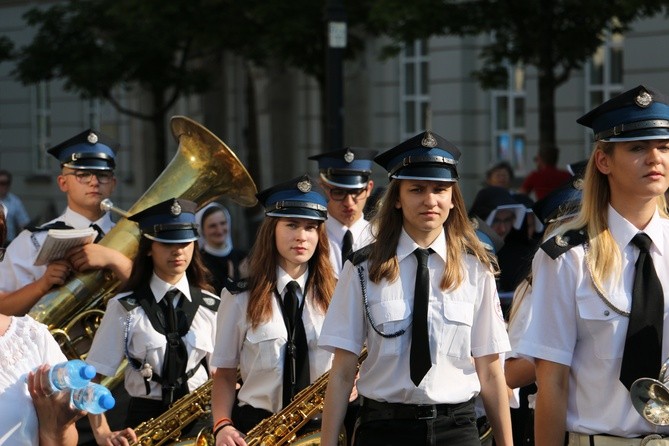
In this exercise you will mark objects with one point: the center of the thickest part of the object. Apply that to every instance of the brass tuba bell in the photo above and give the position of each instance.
(650, 397)
(203, 169)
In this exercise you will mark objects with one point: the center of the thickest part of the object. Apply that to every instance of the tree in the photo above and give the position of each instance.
(101, 47)
(555, 36)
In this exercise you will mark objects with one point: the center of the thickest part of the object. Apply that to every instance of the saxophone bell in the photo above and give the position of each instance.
(650, 397)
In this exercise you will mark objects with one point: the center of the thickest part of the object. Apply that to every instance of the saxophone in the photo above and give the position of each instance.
(168, 426)
(282, 427)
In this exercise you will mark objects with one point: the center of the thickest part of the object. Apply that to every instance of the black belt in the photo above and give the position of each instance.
(376, 410)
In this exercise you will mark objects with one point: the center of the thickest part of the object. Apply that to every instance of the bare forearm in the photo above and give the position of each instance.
(19, 302)
(341, 379)
(551, 405)
(494, 393)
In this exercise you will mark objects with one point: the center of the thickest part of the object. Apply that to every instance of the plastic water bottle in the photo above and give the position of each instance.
(71, 374)
(94, 398)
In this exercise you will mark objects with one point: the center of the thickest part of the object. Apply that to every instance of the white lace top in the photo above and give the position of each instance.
(25, 345)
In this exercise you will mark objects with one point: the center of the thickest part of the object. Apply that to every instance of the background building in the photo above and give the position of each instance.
(427, 85)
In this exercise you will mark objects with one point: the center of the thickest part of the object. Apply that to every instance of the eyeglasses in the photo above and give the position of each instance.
(85, 176)
(503, 221)
(339, 194)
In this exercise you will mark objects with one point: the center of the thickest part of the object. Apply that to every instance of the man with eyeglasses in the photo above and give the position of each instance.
(87, 163)
(344, 176)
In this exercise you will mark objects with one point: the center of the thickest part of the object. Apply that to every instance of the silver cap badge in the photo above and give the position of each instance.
(643, 99)
(429, 140)
(304, 186)
(349, 156)
(92, 138)
(176, 208)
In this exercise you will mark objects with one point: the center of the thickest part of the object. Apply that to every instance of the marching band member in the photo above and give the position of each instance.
(597, 309)
(270, 329)
(165, 324)
(424, 303)
(344, 175)
(87, 163)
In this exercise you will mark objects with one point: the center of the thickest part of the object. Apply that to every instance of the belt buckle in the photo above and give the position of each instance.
(426, 412)
(645, 440)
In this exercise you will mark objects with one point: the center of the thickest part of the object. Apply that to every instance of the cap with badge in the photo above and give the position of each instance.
(426, 156)
(347, 168)
(297, 198)
(637, 114)
(491, 241)
(561, 203)
(172, 221)
(87, 150)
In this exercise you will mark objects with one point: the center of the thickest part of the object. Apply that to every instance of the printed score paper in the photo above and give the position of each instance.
(58, 241)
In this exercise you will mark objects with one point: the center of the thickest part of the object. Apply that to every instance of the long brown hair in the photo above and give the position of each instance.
(263, 260)
(461, 239)
(142, 269)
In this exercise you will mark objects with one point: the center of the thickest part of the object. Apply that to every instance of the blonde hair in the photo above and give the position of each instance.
(461, 240)
(604, 255)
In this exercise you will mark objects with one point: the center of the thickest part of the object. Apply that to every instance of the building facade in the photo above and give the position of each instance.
(277, 124)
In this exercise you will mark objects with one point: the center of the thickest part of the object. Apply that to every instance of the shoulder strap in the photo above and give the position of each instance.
(129, 302)
(53, 225)
(559, 244)
(236, 287)
(361, 254)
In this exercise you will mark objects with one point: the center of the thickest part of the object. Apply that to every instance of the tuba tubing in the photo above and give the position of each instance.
(203, 169)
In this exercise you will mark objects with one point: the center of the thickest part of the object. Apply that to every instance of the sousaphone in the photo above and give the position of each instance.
(203, 169)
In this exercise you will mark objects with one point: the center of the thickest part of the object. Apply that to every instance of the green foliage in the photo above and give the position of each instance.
(6, 47)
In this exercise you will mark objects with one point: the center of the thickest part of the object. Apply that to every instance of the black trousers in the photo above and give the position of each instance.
(384, 424)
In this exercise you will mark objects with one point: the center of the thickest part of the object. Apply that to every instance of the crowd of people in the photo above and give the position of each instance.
(537, 312)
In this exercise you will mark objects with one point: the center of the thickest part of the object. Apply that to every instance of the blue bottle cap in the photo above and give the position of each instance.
(87, 372)
(107, 402)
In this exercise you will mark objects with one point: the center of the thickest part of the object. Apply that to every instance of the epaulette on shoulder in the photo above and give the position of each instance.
(236, 287)
(46, 227)
(361, 254)
(210, 301)
(129, 302)
(559, 244)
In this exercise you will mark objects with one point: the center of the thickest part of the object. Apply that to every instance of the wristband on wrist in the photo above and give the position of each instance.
(221, 427)
(221, 421)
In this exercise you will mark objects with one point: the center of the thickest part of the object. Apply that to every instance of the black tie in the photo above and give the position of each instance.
(176, 356)
(101, 233)
(642, 356)
(346, 247)
(296, 365)
(419, 359)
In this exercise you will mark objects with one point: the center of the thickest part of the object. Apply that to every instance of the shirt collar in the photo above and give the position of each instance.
(159, 287)
(282, 279)
(78, 221)
(337, 229)
(406, 246)
(623, 231)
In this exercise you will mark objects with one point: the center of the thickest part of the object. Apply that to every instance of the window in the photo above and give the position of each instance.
(604, 77)
(508, 121)
(42, 125)
(414, 88)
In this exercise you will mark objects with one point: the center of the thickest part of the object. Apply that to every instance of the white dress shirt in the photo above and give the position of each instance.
(569, 323)
(145, 344)
(17, 269)
(260, 352)
(25, 345)
(362, 236)
(463, 323)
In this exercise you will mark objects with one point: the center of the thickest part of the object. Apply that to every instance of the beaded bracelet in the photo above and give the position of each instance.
(221, 427)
